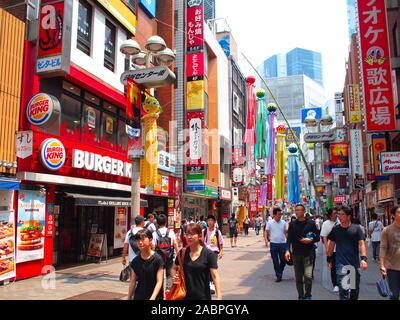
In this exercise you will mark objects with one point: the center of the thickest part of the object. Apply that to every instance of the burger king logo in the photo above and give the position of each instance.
(52, 154)
(41, 108)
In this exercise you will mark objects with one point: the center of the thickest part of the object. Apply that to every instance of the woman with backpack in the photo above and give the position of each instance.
(148, 270)
(199, 267)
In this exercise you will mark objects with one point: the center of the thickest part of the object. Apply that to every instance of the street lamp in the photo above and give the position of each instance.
(155, 48)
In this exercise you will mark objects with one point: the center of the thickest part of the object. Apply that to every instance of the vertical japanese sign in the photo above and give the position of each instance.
(376, 68)
(357, 157)
(253, 201)
(120, 226)
(24, 144)
(354, 103)
(378, 145)
(195, 102)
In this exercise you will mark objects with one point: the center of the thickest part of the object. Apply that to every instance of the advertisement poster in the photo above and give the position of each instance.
(378, 145)
(390, 162)
(7, 245)
(120, 226)
(340, 157)
(328, 174)
(355, 105)
(30, 227)
(195, 95)
(96, 245)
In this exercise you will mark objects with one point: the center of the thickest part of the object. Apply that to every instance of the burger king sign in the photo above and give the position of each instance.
(42, 108)
(52, 154)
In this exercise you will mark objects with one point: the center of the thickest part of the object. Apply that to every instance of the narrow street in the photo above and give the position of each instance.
(246, 272)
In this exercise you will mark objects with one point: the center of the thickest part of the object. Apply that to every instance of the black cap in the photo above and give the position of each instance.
(139, 220)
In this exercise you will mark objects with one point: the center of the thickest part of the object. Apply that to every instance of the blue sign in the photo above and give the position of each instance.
(225, 45)
(290, 136)
(149, 6)
(315, 112)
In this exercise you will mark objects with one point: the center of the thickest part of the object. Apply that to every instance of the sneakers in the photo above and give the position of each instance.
(335, 289)
(212, 288)
(278, 280)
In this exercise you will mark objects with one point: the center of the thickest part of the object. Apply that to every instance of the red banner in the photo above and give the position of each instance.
(269, 187)
(376, 68)
(195, 139)
(195, 64)
(195, 27)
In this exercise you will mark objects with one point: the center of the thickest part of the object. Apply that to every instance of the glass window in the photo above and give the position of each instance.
(84, 26)
(122, 137)
(110, 131)
(109, 46)
(93, 99)
(70, 117)
(91, 124)
(71, 88)
(109, 107)
(132, 4)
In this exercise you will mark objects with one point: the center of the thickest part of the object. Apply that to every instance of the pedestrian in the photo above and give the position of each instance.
(151, 223)
(246, 222)
(302, 235)
(233, 229)
(130, 244)
(390, 254)
(148, 270)
(199, 267)
(375, 228)
(326, 229)
(319, 222)
(165, 244)
(202, 223)
(276, 230)
(349, 241)
(258, 223)
(182, 236)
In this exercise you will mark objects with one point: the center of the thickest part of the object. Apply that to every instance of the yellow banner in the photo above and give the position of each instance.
(122, 12)
(195, 95)
(354, 103)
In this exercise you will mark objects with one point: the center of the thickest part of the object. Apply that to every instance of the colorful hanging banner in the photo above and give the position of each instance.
(281, 163)
(354, 103)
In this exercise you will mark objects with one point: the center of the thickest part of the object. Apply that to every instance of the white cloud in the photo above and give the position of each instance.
(266, 27)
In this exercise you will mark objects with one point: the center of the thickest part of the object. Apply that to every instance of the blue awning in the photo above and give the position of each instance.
(9, 184)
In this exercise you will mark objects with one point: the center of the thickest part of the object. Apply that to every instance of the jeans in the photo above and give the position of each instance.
(303, 271)
(278, 258)
(348, 290)
(246, 228)
(333, 271)
(257, 229)
(375, 247)
(393, 278)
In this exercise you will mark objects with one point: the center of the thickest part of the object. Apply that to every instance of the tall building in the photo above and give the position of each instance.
(275, 66)
(351, 17)
(209, 10)
(302, 61)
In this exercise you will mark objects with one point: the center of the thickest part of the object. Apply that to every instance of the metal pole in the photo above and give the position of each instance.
(135, 192)
(290, 128)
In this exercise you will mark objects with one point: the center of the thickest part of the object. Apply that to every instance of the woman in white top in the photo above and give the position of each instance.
(375, 228)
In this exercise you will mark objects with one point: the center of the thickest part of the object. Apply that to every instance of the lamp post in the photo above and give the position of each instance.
(156, 53)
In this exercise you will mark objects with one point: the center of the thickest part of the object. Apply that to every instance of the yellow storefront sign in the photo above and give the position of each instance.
(120, 10)
(195, 95)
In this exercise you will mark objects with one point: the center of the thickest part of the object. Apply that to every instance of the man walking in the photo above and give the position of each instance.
(233, 229)
(130, 244)
(258, 224)
(375, 228)
(326, 229)
(302, 235)
(246, 225)
(350, 241)
(276, 230)
(390, 254)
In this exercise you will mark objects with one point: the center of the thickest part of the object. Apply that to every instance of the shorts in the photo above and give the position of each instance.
(233, 233)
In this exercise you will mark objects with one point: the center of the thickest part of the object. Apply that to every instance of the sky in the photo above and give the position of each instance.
(263, 28)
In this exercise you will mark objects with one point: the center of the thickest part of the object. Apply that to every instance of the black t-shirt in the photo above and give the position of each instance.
(347, 244)
(146, 273)
(297, 231)
(232, 223)
(197, 274)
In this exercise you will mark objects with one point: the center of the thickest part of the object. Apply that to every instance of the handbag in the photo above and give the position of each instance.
(125, 274)
(178, 290)
(383, 287)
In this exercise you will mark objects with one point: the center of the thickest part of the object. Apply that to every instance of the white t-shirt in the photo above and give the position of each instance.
(276, 231)
(326, 229)
(376, 228)
(163, 232)
(131, 253)
(211, 239)
(150, 226)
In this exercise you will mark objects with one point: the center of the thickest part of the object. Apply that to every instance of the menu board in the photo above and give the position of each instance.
(96, 245)
(30, 228)
(7, 245)
(120, 226)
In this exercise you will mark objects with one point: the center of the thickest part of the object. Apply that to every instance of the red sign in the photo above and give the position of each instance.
(50, 225)
(195, 28)
(376, 68)
(253, 200)
(269, 187)
(195, 64)
(51, 29)
(339, 199)
(195, 139)
(340, 157)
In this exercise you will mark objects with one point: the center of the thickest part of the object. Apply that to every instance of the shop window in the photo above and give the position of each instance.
(84, 27)
(91, 124)
(132, 4)
(109, 46)
(110, 131)
(122, 137)
(71, 88)
(70, 117)
(92, 99)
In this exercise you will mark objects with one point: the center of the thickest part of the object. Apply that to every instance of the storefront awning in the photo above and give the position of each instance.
(9, 183)
(103, 201)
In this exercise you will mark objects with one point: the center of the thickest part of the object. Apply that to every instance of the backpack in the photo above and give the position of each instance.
(217, 235)
(164, 248)
(133, 243)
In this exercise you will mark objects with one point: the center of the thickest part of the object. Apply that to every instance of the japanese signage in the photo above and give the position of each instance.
(195, 64)
(378, 146)
(316, 137)
(359, 184)
(124, 13)
(340, 135)
(225, 194)
(340, 199)
(357, 157)
(269, 187)
(43, 109)
(354, 103)
(195, 25)
(237, 155)
(7, 245)
(376, 68)
(196, 135)
(340, 157)
(328, 174)
(292, 134)
(24, 144)
(195, 95)
(120, 226)
(385, 191)
(150, 77)
(54, 41)
(237, 175)
(166, 161)
(253, 200)
(52, 154)
(390, 162)
(31, 222)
